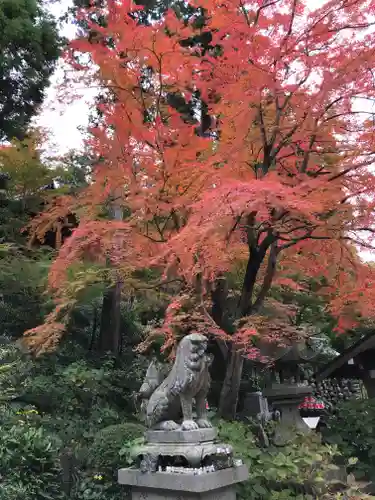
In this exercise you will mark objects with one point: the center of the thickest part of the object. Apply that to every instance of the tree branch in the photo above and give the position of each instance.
(256, 257)
(268, 278)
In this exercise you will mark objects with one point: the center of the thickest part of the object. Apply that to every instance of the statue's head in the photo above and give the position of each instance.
(192, 349)
(196, 343)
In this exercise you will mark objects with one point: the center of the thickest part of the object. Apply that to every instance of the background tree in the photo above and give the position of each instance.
(29, 48)
(28, 175)
(23, 270)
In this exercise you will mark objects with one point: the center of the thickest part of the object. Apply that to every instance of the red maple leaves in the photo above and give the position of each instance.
(283, 179)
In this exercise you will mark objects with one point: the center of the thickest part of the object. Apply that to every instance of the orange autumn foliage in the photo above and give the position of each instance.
(21, 161)
(283, 180)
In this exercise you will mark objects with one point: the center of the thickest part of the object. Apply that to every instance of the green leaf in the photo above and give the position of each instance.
(352, 460)
(259, 489)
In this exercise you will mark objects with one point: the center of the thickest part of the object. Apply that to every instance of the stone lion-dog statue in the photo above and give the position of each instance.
(168, 398)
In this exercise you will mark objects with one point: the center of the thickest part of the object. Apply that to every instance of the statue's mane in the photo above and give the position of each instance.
(187, 358)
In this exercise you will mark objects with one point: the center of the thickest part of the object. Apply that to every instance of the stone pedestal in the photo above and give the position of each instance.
(183, 465)
(286, 399)
(219, 485)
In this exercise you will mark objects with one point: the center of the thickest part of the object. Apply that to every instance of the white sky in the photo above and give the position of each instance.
(64, 120)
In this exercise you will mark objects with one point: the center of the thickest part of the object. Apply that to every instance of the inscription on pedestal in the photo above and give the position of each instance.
(181, 482)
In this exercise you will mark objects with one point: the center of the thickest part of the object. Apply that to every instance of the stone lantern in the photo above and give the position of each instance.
(285, 390)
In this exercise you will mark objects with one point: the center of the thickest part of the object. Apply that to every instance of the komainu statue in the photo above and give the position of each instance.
(176, 440)
(168, 399)
(156, 373)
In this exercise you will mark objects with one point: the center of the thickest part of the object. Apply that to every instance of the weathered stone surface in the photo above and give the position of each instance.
(165, 402)
(287, 398)
(193, 443)
(179, 436)
(151, 455)
(222, 494)
(254, 404)
(156, 373)
(277, 392)
(337, 474)
(187, 483)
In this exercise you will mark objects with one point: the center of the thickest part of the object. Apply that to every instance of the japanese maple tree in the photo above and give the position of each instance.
(281, 180)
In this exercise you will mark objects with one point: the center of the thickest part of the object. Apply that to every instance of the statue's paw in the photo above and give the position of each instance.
(168, 425)
(204, 424)
(189, 425)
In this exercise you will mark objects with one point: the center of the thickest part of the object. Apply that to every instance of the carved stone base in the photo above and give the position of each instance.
(195, 449)
(218, 485)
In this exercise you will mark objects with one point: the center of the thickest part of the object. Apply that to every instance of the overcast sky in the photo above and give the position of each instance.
(64, 120)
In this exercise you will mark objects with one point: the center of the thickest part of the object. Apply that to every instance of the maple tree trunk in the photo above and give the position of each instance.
(231, 386)
(110, 325)
(93, 330)
(110, 335)
(219, 299)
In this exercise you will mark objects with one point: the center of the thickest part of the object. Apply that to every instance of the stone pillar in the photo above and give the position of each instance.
(255, 404)
(286, 399)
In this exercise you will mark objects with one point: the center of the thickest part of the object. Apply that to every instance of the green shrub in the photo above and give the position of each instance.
(279, 473)
(29, 462)
(352, 430)
(98, 479)
(71, 402)
(94, 390)
(93, 487)
(104, 451)
(23, 303)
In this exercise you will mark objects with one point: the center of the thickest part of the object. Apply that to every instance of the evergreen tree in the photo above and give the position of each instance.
(29, 48)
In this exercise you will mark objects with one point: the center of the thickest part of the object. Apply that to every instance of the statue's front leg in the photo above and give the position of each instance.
(166, 425)
(188, 423)
(200, 402)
